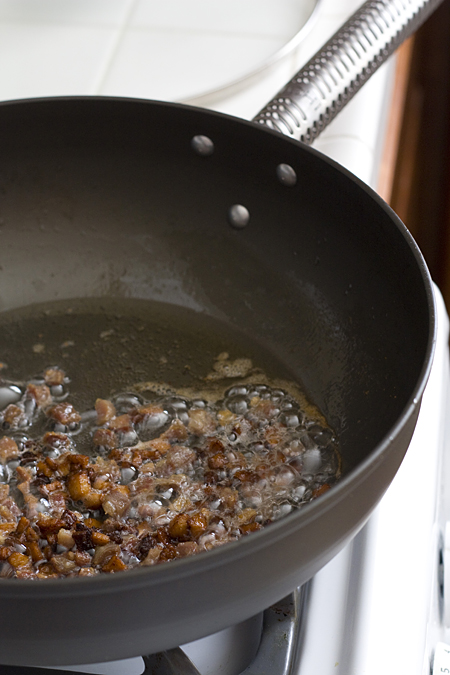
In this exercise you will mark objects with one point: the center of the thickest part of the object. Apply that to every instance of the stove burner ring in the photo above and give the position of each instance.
(282, 632)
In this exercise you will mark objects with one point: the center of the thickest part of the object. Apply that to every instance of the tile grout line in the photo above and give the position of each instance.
(113, 50)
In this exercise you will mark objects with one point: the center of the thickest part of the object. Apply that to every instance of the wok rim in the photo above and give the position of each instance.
(180, 568)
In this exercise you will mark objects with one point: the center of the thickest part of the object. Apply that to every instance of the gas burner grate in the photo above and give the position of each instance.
(278, 651)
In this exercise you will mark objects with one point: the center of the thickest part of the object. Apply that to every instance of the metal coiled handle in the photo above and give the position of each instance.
(314, 96)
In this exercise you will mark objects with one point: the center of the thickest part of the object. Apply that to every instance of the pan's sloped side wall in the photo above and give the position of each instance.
(108, 198)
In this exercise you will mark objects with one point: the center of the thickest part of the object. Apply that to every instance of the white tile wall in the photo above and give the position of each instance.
(170, 50)
(110, 13)
(184, 50)
(144, 64)
(49, 65)
(279, 19)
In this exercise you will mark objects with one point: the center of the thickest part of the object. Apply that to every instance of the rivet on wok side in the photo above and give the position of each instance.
(286, 175)
(238, 216)
(202, 145)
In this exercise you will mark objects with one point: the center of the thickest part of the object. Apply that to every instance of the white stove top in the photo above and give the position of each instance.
(385, 614)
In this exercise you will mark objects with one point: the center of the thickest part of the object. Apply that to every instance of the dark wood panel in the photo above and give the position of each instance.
(421, 185)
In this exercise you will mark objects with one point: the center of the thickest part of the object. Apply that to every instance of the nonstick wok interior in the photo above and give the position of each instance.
(107, 198)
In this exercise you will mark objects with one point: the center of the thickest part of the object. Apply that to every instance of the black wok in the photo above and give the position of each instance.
(107, 198)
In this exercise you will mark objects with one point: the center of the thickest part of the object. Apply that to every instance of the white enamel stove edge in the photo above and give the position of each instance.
(378, 606)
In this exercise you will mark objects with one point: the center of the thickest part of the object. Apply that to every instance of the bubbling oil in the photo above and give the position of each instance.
(207, 438)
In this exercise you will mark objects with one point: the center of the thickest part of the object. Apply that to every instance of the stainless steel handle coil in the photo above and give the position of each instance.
(315, 95)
